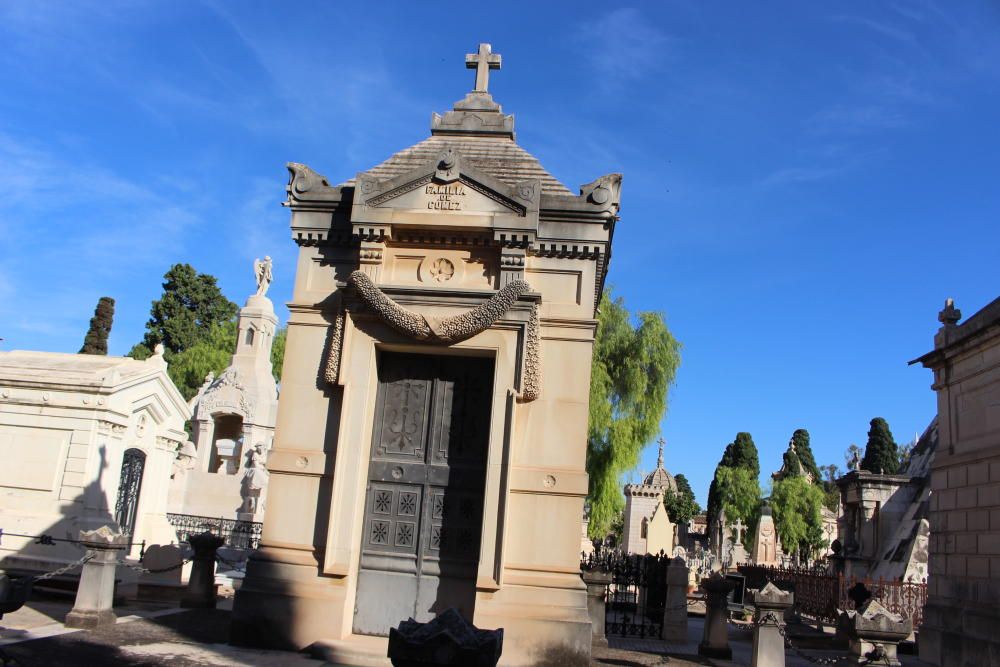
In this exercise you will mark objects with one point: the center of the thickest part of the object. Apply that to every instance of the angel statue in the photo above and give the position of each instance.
(262, 271)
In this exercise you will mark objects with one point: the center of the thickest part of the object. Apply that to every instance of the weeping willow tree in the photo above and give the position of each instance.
(635, 361)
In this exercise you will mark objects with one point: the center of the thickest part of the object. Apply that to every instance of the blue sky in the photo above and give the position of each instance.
(805, 183)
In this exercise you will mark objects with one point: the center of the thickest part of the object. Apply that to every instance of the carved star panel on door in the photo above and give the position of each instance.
(394, 520)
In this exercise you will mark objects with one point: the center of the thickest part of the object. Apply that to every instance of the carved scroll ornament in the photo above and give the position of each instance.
(443, 330)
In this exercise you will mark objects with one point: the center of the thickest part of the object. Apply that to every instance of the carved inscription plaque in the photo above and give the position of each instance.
(445, 197)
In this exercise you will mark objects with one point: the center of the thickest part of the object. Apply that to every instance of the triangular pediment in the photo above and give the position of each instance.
(448, 185)
(462, 195)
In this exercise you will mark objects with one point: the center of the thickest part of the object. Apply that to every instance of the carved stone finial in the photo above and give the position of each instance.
(447, 166)
(482, 61)
(659, 457)
(159, 350)
(950, 315)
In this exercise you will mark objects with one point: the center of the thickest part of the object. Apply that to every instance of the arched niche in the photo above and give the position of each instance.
(227, 443)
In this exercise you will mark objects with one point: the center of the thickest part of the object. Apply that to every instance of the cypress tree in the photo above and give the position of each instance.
(96, 340)
(790, 462)
(745, 453)
(741, 454)
(804, 451)
(681, 505)
(881, 455)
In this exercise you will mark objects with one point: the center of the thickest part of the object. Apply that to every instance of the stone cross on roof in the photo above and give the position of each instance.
(950, 316)
(482, 62)
(659, 458)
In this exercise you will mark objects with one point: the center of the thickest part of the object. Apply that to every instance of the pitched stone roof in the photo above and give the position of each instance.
(497, 156)
(71, 369)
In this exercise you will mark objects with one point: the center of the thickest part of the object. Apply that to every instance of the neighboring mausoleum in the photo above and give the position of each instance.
(648, 529)
(233, 421)
(961, 616)
(883, 527)
(85, 441)
(431, 436)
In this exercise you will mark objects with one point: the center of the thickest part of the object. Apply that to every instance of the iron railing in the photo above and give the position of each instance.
(636, 596)
(237, 534)
(821, 595)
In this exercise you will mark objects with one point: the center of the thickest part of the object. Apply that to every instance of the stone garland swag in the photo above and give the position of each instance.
(443, 330)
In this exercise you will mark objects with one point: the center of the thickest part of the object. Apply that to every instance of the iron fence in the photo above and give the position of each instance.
(822, 596)
(636, 596)
(237, 534)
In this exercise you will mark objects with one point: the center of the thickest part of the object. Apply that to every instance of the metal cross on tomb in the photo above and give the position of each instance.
(482, 62)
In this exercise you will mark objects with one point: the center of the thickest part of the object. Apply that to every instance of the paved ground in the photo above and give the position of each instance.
(153, 633)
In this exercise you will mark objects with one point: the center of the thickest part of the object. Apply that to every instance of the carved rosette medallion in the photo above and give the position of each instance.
(442, 269)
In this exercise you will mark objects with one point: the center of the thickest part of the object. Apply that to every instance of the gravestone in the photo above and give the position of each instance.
(675, 613)
(766, 550)
(165, 562)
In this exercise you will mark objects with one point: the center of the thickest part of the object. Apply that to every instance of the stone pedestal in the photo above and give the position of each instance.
(768, 644)
(95, 595)
(874, 633)
(675, 615)
(715, 640)
(200, 592)
(597, 587)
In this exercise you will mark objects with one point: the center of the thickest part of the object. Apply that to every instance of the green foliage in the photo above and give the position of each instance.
(790, 462)
(681, 504)
(880, 454)
(191, 304)
(796, 506)
(831, 492)
(211, 354)
(804, 451)
(741, 454)
(635, 361)
(96, 340)
(278, 352)
(738, 493)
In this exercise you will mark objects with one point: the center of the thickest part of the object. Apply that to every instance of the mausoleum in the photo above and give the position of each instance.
(648, 529)
(961, 616)
(85, 441)
(431, 435)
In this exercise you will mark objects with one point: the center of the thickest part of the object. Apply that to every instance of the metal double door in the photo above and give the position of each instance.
(424, 498)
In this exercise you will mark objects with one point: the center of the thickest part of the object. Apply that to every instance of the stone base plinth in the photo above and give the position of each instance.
(88, 620)
(959, 636)
(723, 653)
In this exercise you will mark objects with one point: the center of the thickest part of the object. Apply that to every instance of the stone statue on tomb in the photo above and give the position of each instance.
(254, 479)
(855, 462)
(184, 460)
(262, 271)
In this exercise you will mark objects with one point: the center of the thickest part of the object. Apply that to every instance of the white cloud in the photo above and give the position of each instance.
(88, 229)
(623, 46)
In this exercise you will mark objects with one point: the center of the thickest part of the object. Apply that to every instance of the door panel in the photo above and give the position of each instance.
(424, 501)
